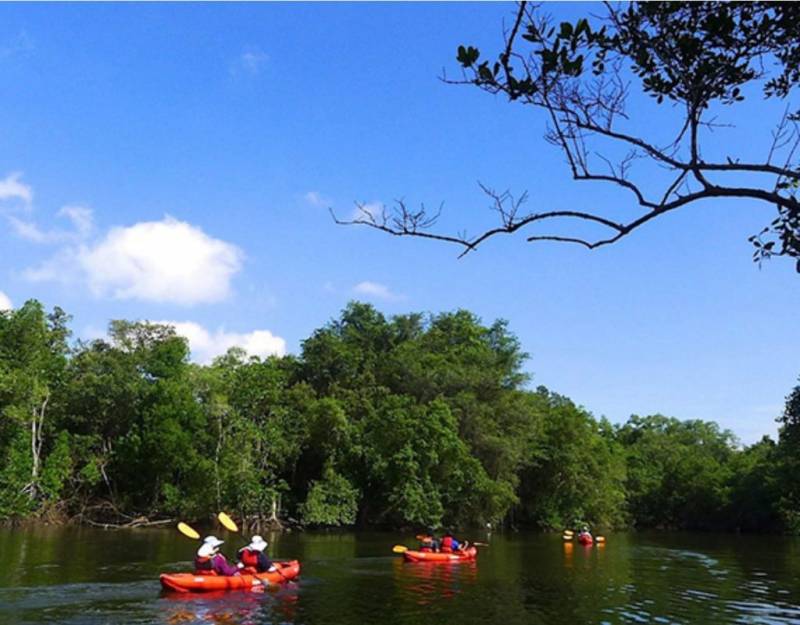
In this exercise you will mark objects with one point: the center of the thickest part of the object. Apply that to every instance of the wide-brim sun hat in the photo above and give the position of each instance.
(206, 550)
(213, 541)
(257, 544)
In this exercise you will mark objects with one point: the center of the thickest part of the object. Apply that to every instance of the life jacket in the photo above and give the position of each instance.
(447, 544)
(248, 557)
(204, 565)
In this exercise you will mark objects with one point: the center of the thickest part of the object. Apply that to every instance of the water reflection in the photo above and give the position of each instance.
(429, 583)
(69, 576)
(246, 607)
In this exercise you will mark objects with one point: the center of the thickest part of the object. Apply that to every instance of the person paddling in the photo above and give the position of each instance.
(210, 561)
(428, 542)
(450, 544)
(252, 556)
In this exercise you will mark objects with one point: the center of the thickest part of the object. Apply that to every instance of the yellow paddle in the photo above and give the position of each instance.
(187, 531)
(227, 522)
(399, 549)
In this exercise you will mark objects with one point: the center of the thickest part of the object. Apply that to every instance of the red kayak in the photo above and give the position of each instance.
(585, 539)
(190, 582)
(429, 556)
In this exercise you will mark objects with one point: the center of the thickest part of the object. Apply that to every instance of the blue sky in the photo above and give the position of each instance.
(176, 163)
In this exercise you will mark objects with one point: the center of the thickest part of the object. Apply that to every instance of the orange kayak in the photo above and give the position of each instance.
(190, 582)
(428, 556)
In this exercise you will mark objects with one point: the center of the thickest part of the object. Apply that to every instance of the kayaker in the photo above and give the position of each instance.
(209, 559)
(585, 534)
(450, 544)
(253, 557)
(428, 543)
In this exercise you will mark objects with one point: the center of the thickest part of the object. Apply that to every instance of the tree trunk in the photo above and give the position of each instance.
(274, 516)
(37, 439)
(216, 461)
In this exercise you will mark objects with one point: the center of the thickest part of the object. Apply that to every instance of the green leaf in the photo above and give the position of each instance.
(467, 56)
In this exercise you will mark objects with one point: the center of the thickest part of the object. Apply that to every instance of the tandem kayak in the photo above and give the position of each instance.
(429, 556)
(191, 582)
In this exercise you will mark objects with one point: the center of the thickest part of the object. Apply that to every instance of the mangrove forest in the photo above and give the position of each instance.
(414, 420)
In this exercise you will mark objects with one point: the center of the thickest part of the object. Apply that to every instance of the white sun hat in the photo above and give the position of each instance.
(206, 550)
(257, 544)
(213, 541)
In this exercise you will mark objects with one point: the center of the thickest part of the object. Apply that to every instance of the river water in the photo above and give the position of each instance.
(85, 576)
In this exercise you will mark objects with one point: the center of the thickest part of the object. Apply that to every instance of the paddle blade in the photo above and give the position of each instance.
(481, 544)
(187, 531)
(567, 537)
(227, 522)
(399, 549)
(568, 532)
(600, 539)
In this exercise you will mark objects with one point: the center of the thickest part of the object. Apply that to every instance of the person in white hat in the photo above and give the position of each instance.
(210, 561)
(252, 556)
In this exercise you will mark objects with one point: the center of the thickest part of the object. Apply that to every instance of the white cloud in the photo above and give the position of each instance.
(82, 226)
(376, 290)
(81, 218)
(162, 261)
(27, 230)
(207, 345)
(12, 189)
(315, 198)
(63, 267)
(250, 61)
(5, 302)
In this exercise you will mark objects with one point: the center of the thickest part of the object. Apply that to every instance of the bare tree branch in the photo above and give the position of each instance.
(687, 54)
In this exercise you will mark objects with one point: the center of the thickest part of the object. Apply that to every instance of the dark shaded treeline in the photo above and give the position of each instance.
(409, 421)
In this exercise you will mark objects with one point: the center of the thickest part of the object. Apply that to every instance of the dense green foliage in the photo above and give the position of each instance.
(408, 421)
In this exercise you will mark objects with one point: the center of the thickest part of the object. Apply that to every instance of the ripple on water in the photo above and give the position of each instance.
(520, 580)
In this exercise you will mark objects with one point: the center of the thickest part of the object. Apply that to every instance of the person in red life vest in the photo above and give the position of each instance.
(585, 536)
(252, 556)
(450, 544)
(210, 561)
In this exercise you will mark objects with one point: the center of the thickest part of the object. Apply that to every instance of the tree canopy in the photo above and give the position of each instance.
(408, 421)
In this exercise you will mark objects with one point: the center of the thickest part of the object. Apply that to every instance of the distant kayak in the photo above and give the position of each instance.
(585, 539)
(429, 556)
(191, 582)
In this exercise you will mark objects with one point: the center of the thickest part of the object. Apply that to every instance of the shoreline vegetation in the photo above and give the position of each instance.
(411, 421)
